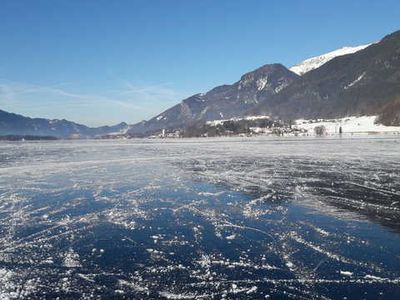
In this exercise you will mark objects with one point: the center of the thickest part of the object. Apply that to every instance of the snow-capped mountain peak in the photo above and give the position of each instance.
(317, 61)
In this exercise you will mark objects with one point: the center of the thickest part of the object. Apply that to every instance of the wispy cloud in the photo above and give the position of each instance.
(18, 93)
(128, 101)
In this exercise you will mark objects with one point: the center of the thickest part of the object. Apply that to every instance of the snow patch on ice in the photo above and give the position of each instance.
(346, 273)
(71, 259)
(169, 295)
(231, 237)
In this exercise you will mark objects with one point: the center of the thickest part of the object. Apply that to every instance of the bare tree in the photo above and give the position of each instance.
(320, 130)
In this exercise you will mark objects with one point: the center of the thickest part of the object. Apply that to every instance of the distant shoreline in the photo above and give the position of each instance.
(346, 135)
(19, 138)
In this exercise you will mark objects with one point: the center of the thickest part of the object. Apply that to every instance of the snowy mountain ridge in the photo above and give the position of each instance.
(317, 61)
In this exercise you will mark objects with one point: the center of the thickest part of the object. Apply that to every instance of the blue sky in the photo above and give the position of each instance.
(102, 62)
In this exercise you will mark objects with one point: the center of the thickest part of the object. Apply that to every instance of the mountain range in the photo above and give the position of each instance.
(13, 124)
(351, 81)
(366, 82)
(222, 102)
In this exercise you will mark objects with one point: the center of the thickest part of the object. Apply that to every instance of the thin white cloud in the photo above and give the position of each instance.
(130, 102)
(17, 92)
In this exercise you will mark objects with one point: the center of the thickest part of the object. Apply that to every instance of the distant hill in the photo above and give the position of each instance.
(14, 124)
(222, 102)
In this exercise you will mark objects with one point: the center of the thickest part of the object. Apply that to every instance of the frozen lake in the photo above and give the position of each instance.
(227, 218)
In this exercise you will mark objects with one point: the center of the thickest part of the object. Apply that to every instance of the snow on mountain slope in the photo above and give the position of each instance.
(317, 61)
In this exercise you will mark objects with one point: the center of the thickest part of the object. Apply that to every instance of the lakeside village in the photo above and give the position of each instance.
(252, 126)
(264, 125)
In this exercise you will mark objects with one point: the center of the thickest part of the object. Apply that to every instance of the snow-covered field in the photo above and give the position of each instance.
(364, 125)
(233, 218)
(350, 125)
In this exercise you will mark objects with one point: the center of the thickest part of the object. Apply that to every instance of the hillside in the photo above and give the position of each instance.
(222, 102)
(14, 124)
(362, 80)
(363, 83)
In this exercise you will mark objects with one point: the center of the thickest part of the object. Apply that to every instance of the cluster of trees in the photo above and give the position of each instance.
(320, 130)
(230, 127)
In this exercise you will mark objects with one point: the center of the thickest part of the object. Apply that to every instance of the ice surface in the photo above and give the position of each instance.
(237, 218)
